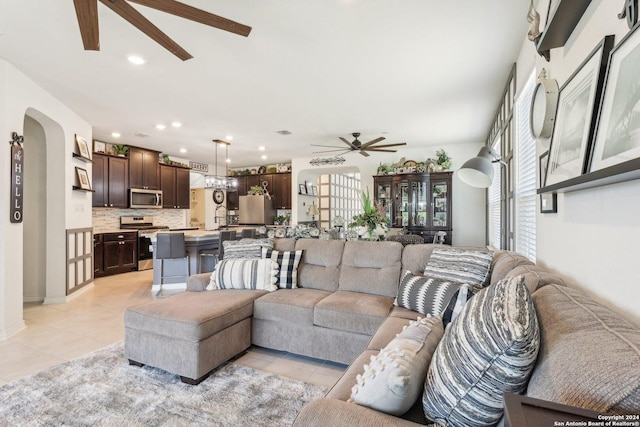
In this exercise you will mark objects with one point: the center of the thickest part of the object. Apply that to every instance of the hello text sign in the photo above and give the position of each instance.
(17, 172)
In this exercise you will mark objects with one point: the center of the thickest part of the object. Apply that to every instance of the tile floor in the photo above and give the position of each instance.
(56, 333)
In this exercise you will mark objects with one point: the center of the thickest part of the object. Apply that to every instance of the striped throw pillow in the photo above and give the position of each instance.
(430, 295)
(491, 348)
(260, 274)
(470, 266)
(245, 248)
(288, 262)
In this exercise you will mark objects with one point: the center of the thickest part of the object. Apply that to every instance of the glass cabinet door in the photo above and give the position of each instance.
(383, 198)
(401, 192)
(419, 200)
(439, 204)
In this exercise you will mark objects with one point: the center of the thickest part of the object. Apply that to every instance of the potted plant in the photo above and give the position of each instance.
(373, 220)
(165, 159)
(256, 190)
(443, 160)
(120, 149)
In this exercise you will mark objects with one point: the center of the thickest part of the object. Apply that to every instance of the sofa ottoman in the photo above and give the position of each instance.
(191, 333)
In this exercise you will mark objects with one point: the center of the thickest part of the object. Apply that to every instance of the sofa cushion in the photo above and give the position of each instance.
(404, 313)
(415, 257)
(352, 312)
(393, 379)
(320, 265)
(193, 316)
(536, 277)
(341, 390)
(391, 327)
(371, 267)
(245, 248)
(430, 295)
(580, 336)
(289, 305)
(504, 262)
(489, 349)
(288, 262)
(245, 273)
(463, 265)
(284, 244)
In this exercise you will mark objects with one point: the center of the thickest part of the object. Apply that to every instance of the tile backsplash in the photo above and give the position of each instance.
(107, 219)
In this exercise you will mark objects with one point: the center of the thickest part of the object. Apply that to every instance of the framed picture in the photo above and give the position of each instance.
(99, 147)
(309, 186)
(302, 189)
(618, 134)
(543, 161)
(548, 203)
(83, 178)
(314, 190)
(574, 127)
(83, 147)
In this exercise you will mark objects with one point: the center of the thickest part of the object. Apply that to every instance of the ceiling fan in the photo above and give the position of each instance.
(87, 14)
(362, 148)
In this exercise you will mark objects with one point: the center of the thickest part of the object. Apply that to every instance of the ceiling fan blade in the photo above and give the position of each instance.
(364, 153)
(87, 14)
(373, 141)
(390, 145)
(135, 18)
(382, 151)
(353, 147)
(332, 146)
(330, 151)
(194, 14)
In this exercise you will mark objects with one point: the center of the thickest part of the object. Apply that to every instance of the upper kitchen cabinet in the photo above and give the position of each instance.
(110, 181)
(144, 168)
(281, 190)
(175, 186)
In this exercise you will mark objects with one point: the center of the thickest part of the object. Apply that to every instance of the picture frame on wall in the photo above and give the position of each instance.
(302, 189)
(314, 190)
(618, 133)
(309, 186)
(83, 179)
(576, 116)
(543, 162)
(83, 147)
(548, 203)
(99, 147)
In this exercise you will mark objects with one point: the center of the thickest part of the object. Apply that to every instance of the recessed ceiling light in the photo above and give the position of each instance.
(137, 60)
(176, 124)
(160, 126)
(261, 148)
(183, 150)
(115, 134)
(230, 137)
(264, 157)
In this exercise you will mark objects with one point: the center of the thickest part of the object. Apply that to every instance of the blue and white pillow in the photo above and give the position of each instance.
(491, 348)
(288, 262)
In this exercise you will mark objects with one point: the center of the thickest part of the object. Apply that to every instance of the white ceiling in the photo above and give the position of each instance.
(418, 71)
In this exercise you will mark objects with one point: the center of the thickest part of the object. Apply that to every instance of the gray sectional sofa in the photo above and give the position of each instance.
(343, 311)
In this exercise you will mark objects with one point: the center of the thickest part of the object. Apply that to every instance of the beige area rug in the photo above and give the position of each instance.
(101, 389)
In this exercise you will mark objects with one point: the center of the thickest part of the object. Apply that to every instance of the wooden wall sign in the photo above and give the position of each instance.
(17, 172)
(200, 167)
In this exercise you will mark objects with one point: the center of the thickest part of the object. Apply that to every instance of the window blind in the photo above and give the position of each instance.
(525, 168)
(494, 214)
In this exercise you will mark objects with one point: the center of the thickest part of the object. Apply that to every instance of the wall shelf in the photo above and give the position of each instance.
(75, 187)
(84, 159)
(626, 171)
(560, 24)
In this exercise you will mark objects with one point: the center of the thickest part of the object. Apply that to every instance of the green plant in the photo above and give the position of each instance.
(120, 149)
(443, 159)
(256, 190)
(373, 216)
(165, 159)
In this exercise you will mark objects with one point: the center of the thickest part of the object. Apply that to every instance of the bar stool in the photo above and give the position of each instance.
(217, 256)
(249, 233)
(171, 246)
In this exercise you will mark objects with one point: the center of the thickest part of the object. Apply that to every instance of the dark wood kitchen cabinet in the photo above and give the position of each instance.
(278, 185)
(144, 168)
(98, 256)
(110, 181)
(281, 191)
(175, 186)
(120, 252)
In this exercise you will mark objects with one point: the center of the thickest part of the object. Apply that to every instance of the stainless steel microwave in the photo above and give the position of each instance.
(144, 199)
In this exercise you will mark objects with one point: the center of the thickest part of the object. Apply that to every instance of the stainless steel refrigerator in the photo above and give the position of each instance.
(256, 210)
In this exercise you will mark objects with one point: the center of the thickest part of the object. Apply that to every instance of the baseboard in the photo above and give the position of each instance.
(169, 287)
(32, 299)
(12, 330)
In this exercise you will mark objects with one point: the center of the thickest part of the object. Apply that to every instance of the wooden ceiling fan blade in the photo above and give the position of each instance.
(330, 151)
(364, 153)
(390, 145)
(373, 141)
(197, 15)
(135, 18)
(382, 151)
(87, 14)
(331, 146)
(353, 147)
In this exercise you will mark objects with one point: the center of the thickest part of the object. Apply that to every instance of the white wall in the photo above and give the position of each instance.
(469, 204)
(19, 96)
(594, 239)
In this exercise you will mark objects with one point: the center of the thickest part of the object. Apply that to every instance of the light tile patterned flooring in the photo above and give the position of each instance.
(56, 333)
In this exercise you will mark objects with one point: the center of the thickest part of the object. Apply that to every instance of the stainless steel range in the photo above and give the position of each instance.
(144, 225)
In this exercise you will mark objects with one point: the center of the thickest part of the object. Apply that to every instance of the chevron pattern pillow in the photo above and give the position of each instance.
(430, 295)
(491, 348)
